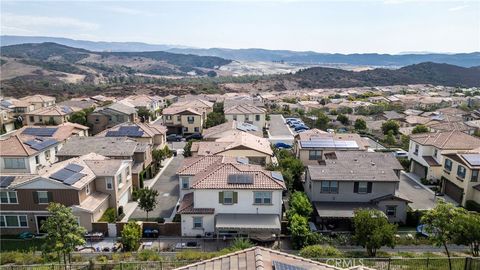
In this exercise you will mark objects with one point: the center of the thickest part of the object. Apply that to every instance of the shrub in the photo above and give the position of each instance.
(109, 216)
(148, 255)
(472, 206)
(193, 255)
(320, 251)
(240, 243)
(131, 235)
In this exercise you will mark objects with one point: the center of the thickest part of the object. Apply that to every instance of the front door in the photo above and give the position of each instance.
(40, 220)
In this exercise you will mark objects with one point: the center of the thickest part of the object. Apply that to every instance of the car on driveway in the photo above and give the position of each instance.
(282, 145)
(194, 136)
(174, 138)
(302, 127)
(295, 123)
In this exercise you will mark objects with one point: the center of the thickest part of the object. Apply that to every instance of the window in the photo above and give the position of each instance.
(42, 197)
(168, 117)
(190, 119)
(257, 117)
(234, 117)
(228, 197)
(32, 119)
(13, 221)
(391, 211)
(179, 118)
(448, 165)
(119, 180)
(416, 150)
(461, 171)
(329, 187)
(474, 176)
(197, 129)
(8, 197)
(14, 163)
(47, 155)
(246, 117)
(87, 189)
(185, 129)
(56, 149)
(262, 197)
(314, 154)
(185, 183)
(128, 171)
(435, 152)
(109, 183)
(362, 187)
(197, 222)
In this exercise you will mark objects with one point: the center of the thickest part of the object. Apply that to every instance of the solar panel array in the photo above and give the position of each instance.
(41, 132)
(5, 181)
(240, 179)
(328, 143)
(283, 266)
(66, 109)
(127, 131)
(41, 143)
(242, 160)
(69, 175)
(277, 176)
(473, 159)
(246, 127)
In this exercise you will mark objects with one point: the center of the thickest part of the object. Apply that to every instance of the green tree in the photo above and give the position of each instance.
(299, 230)
(218, 107)
(468, 231)
(442, 226)
(143, 114)
(420, 129)
(343, 119)
(147, 199)
(158, 155)
(390, 138)
(405, 142)
(131, 236)
(390, 125)
(372, 230)
(187, 149)
(360, 124)
(63, 231)
(322, 121)
(296, 168)
(300, 204)
(215, 119)
(79, 117)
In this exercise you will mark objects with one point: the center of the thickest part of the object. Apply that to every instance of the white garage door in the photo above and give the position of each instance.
(124, 199)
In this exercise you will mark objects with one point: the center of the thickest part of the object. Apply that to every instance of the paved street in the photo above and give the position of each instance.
(278, 131)
(167, 186)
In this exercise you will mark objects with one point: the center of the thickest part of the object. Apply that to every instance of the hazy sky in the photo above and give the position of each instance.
(390, 26)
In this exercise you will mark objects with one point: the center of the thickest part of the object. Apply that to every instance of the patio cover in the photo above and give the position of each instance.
(339, 209)
(248, 222)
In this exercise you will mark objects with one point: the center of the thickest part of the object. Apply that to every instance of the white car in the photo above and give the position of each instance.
(401, 154)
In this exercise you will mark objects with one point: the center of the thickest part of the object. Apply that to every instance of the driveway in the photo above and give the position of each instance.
(422, 197)
(373, 144)
(167, 186)
(278, 130)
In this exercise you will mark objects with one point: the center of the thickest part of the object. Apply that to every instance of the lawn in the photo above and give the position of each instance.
(11, 243)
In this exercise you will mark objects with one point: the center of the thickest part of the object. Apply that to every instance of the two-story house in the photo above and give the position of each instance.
(149, 133)
(230, 128)
(426, 151)
(88, 184)
(246, 113)
(122, 148)
(230, 198)
(39, 101)
(311, 146)
(349, 180)
(110, 116)
(460, 179)
(151, 103)
(53, 115)
(255, 149)
(183, 121)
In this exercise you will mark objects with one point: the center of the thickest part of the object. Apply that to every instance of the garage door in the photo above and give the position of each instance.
(419, 169)
(124, 199)
(453, 191)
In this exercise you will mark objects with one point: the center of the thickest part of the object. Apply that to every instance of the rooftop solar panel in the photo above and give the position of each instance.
(74, 167)
(240, 179)
(277, 176)
(5, 181)
(62, 175)
(283, 266)
(39, 131)
(473, 159)
(44, 144)
(73, 178)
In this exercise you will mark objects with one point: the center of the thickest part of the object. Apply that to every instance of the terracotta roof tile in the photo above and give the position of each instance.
(454, 140)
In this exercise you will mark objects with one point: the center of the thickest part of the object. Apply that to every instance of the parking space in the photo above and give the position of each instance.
(278, 131)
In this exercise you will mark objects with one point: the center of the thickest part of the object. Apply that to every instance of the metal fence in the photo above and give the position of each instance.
(458, 263)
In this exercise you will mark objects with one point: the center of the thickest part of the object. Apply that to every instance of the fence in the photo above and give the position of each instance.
(458, 263)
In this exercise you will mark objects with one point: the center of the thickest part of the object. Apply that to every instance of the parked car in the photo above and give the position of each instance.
(194, 136)
(26, 235)
(292, 124)
(187, 245)
(401, 154)
(282, 145)
(301, 128)
(174, 138)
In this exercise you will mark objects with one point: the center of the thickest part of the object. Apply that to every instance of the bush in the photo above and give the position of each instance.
(18, 257)
(472, 206)
(320, 251)
(405, 162)
(131, 235)
(109, 216)
(193, 255)
(240, 243)
(148, 255)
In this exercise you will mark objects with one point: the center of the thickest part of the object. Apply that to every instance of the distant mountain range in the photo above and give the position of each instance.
(307, 57)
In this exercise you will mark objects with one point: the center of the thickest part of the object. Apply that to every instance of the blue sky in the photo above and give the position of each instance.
(389, 26)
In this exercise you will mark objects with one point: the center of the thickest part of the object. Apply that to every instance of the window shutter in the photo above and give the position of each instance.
(369, 187)
(50, 196)
(235, 197)
(220, 197)
(355, 187)
(35, 197)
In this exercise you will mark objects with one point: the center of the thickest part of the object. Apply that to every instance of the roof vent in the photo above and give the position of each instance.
(372, 163)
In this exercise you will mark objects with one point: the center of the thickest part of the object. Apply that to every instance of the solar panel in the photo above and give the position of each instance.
(5, 181)
(242, 160)
(240, 179)
(62, 175)
(277, 176)
(74, 167)
(42, 132)
(43, 144)
(125, 131)
(73, 178)
(283, 266)
(473, 159)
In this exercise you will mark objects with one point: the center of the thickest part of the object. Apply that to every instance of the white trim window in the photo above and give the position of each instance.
(109, 183)
(119, 181)
(185, 183)
(42, 197)
(198, 222)
(14, 163)
(8, 197)
(329, 187)
(228, 197)
(391, 211)
(362, 187)
(87, 189)
(262, 197)
(13, 221)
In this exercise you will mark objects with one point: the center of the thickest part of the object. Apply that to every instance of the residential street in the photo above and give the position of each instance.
(167, 186)
(278, 131)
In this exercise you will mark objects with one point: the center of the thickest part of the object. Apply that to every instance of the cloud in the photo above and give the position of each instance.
(128, 11)
(10, 21)
(457, 8)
